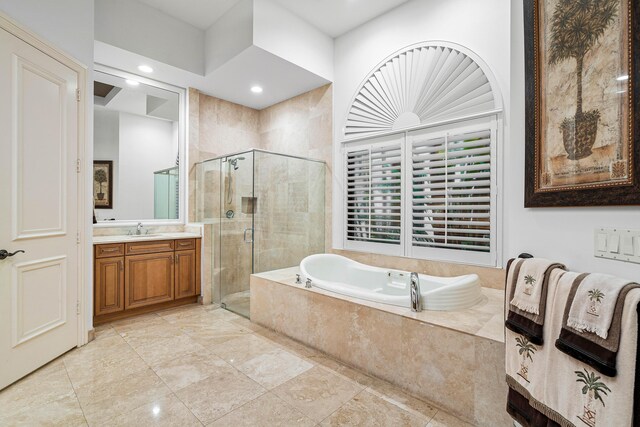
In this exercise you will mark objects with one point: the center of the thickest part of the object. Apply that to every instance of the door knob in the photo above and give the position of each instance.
(5, 254)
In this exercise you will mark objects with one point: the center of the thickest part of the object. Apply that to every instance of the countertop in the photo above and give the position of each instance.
(99, 240)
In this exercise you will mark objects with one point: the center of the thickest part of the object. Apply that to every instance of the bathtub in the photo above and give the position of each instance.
(344, 276)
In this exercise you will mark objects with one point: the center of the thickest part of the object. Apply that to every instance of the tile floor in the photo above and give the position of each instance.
(201, 365)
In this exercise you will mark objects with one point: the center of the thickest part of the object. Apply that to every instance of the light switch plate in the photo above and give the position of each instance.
(618, 244)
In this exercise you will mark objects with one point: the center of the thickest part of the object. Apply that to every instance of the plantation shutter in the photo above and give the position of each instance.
(451, 194)
(373, 195)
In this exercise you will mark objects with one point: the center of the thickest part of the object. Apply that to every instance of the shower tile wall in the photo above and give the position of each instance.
(299, 126)
(215, 127)
(289, 219)
(303, 126)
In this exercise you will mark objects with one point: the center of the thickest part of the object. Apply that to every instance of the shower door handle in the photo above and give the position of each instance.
(244, 237)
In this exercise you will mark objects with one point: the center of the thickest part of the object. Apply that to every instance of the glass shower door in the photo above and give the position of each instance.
(236, 231)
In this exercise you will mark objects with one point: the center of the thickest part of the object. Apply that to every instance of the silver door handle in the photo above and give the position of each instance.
(244, 237)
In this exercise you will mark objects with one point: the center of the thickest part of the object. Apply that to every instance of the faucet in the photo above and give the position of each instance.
(308, 284)
(139, 229)
(416, 304)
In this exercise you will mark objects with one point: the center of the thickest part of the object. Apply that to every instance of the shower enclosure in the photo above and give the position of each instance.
(166, 190)
(264, 211)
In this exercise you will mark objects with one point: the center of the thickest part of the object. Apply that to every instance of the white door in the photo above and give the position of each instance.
(38, 208)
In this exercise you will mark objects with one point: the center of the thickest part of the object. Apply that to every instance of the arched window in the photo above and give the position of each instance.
(420, 157)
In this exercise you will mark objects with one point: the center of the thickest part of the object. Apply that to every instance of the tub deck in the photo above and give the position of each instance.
(485, 320)
(454, 359)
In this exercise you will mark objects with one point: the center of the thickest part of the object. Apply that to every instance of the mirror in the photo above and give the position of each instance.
(136, 173)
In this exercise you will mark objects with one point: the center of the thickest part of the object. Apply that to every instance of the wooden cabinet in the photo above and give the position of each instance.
(109, 285)
(185, 280)
(144, 277)
(149, 279)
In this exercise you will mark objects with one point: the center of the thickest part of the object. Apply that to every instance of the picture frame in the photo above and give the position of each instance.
(582, 144)
(103, 184)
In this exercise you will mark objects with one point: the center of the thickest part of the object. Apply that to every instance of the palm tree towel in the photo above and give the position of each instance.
(597, 352)
(594, 303)
(548, 387)
(531, 283)
(520, 321)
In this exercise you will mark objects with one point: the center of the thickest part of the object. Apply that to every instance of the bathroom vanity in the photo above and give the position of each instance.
(139, 274)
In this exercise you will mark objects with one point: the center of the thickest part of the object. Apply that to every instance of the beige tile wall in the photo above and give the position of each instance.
(289, 219)
(301, 126)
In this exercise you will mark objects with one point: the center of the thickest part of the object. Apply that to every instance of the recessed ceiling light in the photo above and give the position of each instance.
(622, 78)
(256, 89)
(145, 69)
(132, 82)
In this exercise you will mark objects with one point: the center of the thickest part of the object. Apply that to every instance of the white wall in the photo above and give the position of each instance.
(481, 27)
(139, 28)
(493, 29)
(565, 234)
(146, 145)
(229, 35)
(282, 33)
(68, 25)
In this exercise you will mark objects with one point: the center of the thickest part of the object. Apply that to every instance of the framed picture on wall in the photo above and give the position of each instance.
(103, 184)
(583, 121)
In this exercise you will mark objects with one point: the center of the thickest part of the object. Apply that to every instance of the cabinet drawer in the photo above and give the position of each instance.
(185, 244)
(136, 248)
(111, 250)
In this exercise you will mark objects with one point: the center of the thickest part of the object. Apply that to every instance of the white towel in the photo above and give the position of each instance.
(528, 292)
(551, 380)
(594, 304)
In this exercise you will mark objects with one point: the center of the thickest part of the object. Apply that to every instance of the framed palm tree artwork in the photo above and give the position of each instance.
(582, 115)
(103, 184)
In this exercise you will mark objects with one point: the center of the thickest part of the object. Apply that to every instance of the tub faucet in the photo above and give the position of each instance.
(308, 284)
(416, 304)
(298, 281)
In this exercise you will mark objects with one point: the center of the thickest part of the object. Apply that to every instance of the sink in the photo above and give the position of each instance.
(137, 236)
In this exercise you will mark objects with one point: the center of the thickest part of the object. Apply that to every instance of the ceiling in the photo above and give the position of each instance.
(336, 17)
(332, 17)
(143, 100)
(254, 66)
(199, 13)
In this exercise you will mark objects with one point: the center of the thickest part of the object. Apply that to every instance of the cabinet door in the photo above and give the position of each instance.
(185, 274)
(149, 279)
(109, 285)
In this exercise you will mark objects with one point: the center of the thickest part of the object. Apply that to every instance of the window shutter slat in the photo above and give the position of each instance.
(374, 190)
(451, 192)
